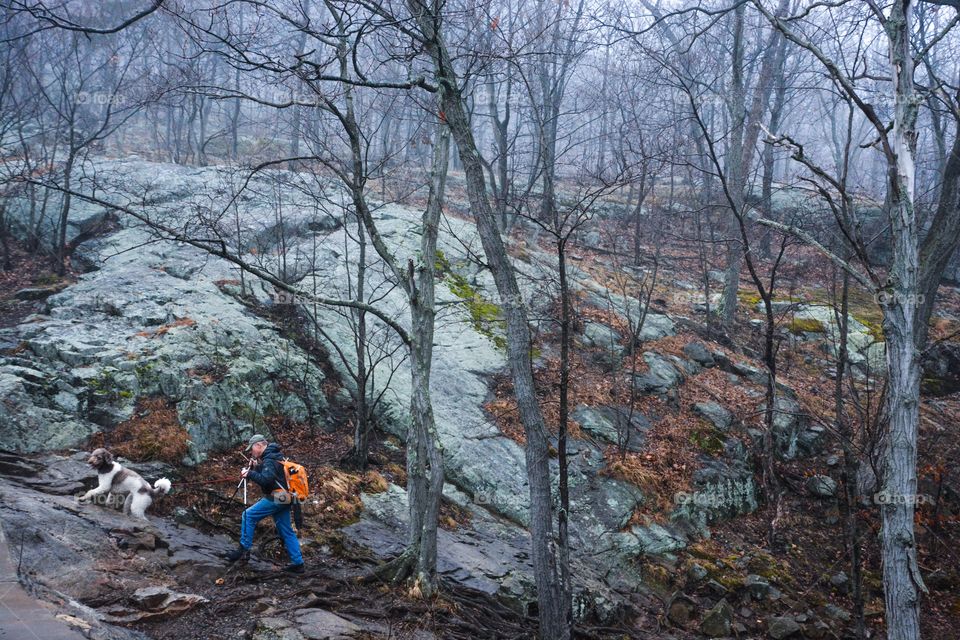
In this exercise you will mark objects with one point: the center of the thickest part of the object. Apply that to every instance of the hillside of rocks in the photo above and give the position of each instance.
(149, 336)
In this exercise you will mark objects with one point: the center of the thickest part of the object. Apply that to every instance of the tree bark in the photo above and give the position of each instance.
(518, 331)
(901, 575)
(941, 241)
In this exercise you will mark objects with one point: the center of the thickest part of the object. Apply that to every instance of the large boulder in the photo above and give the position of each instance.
(714, 413)
(793, 433)
(656, 326)
(716, 623)
(492, 556)
(600, 336)
(662, 374)
(614, 425)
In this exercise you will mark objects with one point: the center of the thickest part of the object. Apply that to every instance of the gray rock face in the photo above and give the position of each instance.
(38, 293)
(793, 434)
(661, 376)
(491, 556)
(319, 624)
(699, 353)
(822, 486)
(36, 414)
(680, 609)
(715, 414)
(653, 540)
(836, 612)
(716, 623)
(308, 624)
(84, 555)
(160, 318)
(757, 586)
(655, 327)
(840, 581)
(723, 488)
(613, 425)
(130, 329)
(600, 336)
(780, 627)
(153, 603)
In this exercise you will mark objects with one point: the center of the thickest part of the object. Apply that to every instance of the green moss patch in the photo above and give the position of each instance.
(485, 315)
(806, 325)
(709, 440)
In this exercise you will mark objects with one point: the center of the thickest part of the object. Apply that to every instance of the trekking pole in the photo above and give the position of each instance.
(235, 492)
(243, 482)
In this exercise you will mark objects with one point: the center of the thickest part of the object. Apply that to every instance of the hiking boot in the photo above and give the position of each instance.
(240, 553)
(294, 568)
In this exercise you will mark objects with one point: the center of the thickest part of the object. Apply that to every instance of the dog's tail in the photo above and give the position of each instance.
(161, 487)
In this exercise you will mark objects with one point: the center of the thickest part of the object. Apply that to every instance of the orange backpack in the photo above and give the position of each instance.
(296, 476)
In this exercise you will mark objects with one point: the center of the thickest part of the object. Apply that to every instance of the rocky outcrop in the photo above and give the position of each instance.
(818, 322)
(102, 566)
(491, 556)
(663, 373)
(714, 413)
(153, 319)
(307, 624)
(613, 425)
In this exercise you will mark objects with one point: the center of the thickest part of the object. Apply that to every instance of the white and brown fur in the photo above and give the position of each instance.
(115, 479)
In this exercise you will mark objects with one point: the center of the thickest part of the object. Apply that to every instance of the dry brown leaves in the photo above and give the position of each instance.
(152, 433)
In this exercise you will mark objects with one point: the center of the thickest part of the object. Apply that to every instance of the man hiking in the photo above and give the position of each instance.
(276, 502)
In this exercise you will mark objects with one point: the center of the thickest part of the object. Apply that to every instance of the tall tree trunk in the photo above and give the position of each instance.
(423, 316)
(518, 331)
(563, 524)
(851, 463)
(744, 133)
(60, 250)
(941, 241)
(361, 428)
(638, 217)
(736, 173)
(901, 575)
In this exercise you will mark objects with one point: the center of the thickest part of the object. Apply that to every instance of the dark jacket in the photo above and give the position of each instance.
(269, 472)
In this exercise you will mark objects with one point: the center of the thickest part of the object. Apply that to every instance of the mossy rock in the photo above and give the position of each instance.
(485, 315)
(799, 326)
(709, 440)
(768, 567)
(749, 298)
(658, 578)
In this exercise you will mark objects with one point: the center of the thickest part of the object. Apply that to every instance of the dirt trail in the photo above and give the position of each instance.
(122, 579)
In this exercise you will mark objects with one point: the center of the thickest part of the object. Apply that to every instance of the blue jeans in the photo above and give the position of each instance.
(281, 517)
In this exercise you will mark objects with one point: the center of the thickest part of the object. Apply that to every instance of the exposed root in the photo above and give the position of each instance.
(394, 571)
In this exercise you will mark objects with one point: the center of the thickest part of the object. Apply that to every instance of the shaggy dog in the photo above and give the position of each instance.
(113, 478)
